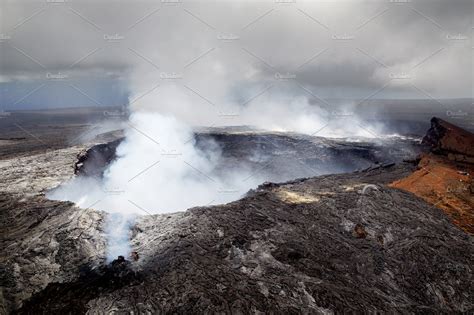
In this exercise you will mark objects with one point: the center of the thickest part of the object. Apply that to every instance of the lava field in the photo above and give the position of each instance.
(306, 240)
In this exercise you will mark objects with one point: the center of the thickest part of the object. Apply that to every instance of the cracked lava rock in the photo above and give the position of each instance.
(327, 244)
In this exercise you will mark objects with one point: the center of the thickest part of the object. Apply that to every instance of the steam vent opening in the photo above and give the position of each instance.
(216, 166)
(240, 162)
(236, 157)
(220, 166)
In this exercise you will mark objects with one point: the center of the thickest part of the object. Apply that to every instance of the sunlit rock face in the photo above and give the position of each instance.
(445, 173)
(447, 139)
(40, 172)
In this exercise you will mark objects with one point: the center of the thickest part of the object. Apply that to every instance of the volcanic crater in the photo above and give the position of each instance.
(323, 243)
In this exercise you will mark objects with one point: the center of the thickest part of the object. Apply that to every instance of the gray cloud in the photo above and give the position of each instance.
(230, 51)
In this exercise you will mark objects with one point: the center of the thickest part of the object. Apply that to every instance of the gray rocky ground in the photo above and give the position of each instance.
(326, 244)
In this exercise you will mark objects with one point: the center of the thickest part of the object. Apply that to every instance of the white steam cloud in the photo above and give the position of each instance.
(160, 169)
(202, 63)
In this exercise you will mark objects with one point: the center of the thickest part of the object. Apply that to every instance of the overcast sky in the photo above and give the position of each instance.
(57, 53)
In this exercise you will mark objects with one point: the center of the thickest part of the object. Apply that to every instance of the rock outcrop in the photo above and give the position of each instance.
(444, 176)
(319, 245)
(340, 243)
(447, 139)
(93, 161)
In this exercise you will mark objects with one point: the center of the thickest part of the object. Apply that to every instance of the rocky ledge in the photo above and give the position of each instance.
(447, 139)
(444, 175)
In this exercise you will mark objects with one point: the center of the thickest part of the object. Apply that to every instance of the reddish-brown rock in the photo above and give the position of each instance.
(444, 176)
(447, 139)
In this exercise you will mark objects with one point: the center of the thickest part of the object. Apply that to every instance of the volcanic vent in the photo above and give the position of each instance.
(215, 166)
(262, 252)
